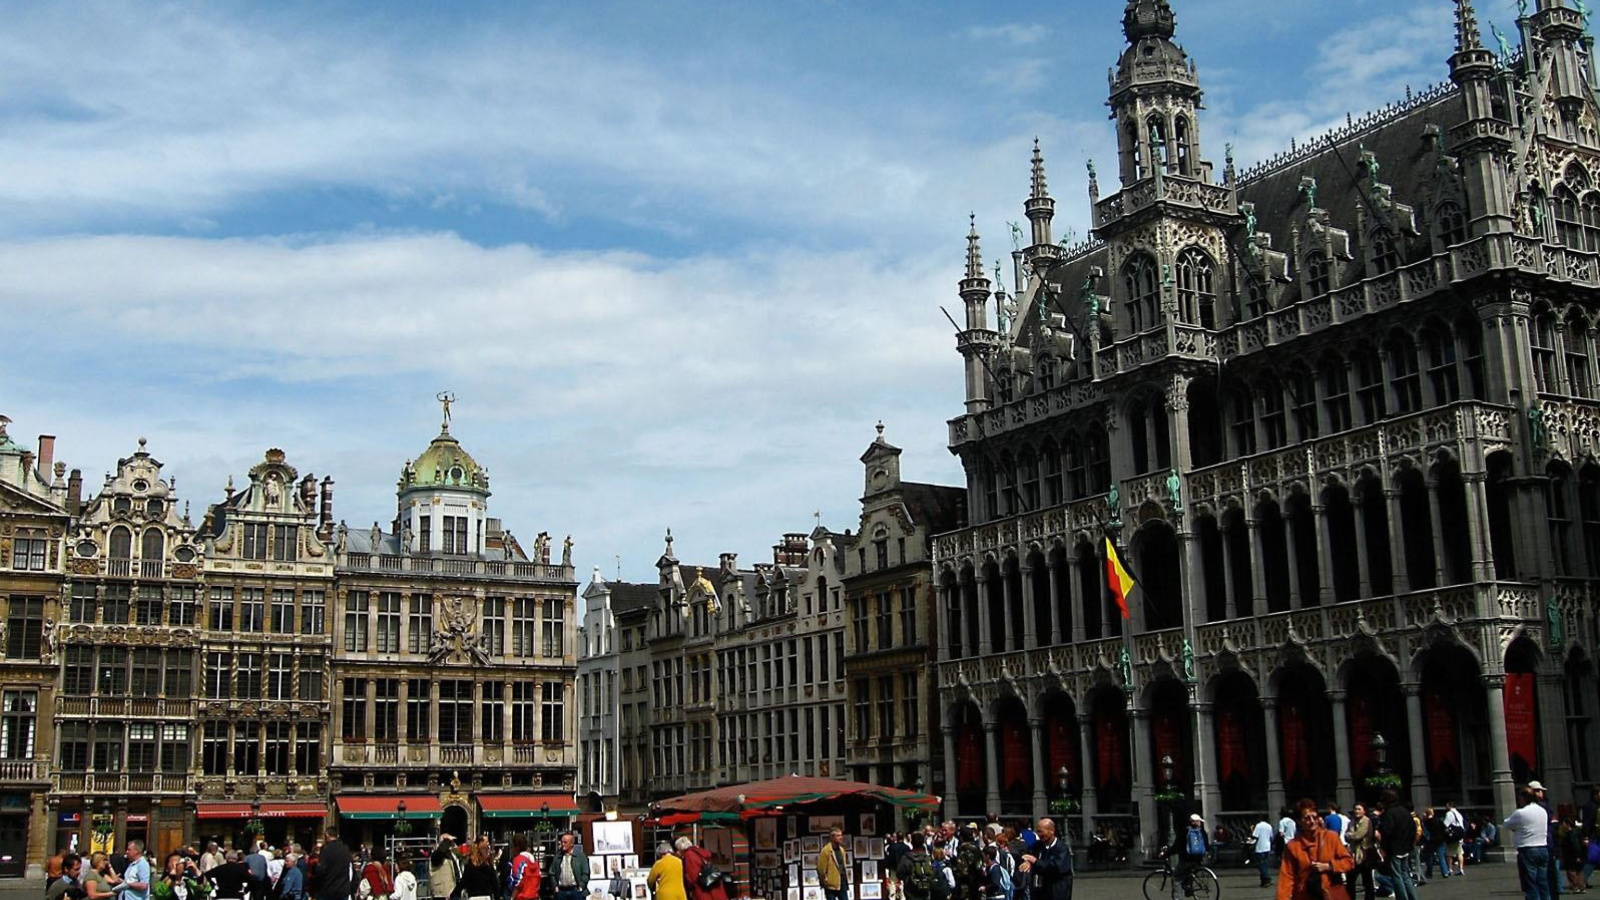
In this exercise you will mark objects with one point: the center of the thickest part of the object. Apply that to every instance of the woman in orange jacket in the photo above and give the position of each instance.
(1316, 864)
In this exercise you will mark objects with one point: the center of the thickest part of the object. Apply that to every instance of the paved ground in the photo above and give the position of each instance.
(1484, 881)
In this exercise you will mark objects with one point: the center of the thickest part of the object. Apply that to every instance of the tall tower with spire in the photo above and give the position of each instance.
(1482, 141)
(977, 341)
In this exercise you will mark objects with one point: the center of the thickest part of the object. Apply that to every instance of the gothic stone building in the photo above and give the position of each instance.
(1340, 413)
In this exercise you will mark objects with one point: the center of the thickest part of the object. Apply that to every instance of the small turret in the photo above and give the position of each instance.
(974, 342)
(1041, 209)
(1483, 138)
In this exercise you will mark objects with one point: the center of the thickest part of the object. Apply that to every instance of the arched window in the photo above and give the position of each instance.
(1451, 224)
(1385, 258)
(1443, 379)
(1403, 375)
(1369, 385)
(1003, 381)
(1197, 296)
(991, 489)
(1077, 471)
(153, 545)
(1133, 153)
(1097, 449)
(1577, 353)
(1558, 514)
(1469, 340)
(1543, 345)
(1052, 473)
(1138, 437)
(1028, 479)
(1143, 283)
(1242, 420)
(1589, 212)
(1007, 491)
(1045, 372)
(1158, 142)
(1569, 221)
(1274, 430)
(121, 544)
(1303, 394)
(1317, 280)
(1255, 294)
(1335, 393)
(1180, 134)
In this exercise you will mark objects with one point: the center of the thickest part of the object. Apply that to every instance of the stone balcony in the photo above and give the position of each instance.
(92, 784)
(403, 755)
(457, 566)
(162, 708)
(1184, 191)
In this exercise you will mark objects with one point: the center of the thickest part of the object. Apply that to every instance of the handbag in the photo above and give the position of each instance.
(1334, 888)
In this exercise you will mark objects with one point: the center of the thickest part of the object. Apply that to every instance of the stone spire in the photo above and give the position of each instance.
(1467, 37)
(1039, 188)
(1148, 18)
(974, 252)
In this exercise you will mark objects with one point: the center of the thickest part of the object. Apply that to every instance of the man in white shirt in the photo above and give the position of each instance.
(1262, 836)
(1529, 828)
(1455, 829)
(1286, 828)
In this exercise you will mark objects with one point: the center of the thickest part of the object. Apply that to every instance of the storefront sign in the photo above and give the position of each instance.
(1522, 723)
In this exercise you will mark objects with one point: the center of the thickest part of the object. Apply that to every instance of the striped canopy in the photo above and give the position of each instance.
(759, 797)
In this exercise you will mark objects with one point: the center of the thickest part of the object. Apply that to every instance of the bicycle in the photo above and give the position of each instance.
(1198, 883)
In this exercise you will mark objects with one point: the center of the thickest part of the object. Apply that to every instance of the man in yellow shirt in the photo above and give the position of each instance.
(833, 867)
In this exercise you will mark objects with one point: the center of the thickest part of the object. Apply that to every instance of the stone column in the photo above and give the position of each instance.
(1275, 794)
(1293, 553)
(1325, 591)
(1439, 578)
(1192, 557)
(1207, 781)
(940, 641)
(1080, 605)
(402, 725)
(1143, 788)
(1555, 758)
(1231, 604)
(1055, 599)
(1364, 574)
(991, 735)
(1397, 543)
(1478, 525)
(1030, 629)
(1091, 797)
(372, 709)
(1258, 573)
(980, 582)
(1499, 747)
(1345, 787)
(950, 810)
(1040, 801)
(1421, 790)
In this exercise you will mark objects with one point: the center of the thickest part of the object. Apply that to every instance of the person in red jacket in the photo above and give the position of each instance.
(695, 862)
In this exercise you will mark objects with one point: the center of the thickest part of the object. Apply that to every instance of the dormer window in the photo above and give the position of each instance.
(1317, 279)
(153, 508)
(1385, 258)
(1144, 292)
(122, 506)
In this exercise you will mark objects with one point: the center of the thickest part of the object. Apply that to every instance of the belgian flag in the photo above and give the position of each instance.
(1117, 577)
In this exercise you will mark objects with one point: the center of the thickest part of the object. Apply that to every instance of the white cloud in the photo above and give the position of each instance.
(1016, 34)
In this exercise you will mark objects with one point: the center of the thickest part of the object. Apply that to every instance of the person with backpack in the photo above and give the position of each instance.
(705, 880)
(944, 886)
(916, 872)
(523, 882)
(377, 877)
(970, 873)
(1189, 847)
(998, 884)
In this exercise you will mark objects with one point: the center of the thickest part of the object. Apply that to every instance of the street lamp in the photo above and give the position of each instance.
(1062, 780)
(1168, 773)
(1380, 752)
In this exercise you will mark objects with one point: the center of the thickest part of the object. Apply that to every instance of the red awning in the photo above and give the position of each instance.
(757, 796)
(500, 806)
(222, 811)
(387, 806)
(298, 810)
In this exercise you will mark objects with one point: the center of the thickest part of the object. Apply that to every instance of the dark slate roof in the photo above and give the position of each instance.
(626, 596)
(936, 507)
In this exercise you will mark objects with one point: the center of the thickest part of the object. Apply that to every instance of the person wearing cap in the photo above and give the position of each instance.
(1189, 846)
(1529, 828)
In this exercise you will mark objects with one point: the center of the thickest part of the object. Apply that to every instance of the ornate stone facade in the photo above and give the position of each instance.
(1353, 476)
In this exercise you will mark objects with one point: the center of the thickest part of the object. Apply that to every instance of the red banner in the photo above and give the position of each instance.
(1443, 753)
(1110, 750)
(1062, 734)
(1232, 757)
(1522, 722)
(1360, 712)
(1296, 749)
(1016, 763)
(969, 765)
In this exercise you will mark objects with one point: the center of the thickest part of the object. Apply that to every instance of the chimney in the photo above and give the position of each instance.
(730, 563)
(75, 492)
(325, 514)
(47, 454)
(308, 491)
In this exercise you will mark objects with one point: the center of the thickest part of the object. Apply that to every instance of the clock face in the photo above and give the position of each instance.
(879, 478)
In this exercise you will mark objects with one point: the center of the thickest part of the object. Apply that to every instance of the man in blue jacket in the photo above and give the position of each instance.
(1050, 864)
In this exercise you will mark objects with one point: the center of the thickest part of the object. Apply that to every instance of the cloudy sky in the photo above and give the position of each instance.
(675, 259)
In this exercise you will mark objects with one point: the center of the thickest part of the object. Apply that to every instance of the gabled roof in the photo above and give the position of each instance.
(936, 507)
(627, 596)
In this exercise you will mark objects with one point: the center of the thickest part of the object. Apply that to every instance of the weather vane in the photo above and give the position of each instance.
(446, 398)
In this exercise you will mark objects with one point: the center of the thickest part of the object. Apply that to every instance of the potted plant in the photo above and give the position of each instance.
(1170, 795)
(1065, 806)
(402, 828)
(255, 827)
(1386, 781)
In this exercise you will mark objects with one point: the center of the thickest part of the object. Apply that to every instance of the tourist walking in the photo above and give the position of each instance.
(1529, 828)
(479, 878)
(377, 876)
(523, 882)
(833, 867)
(71, 870)
(706, 881)
(1261, 846)
(331, 880)
(1189, 848)
(1050, 864)
(919, 879)
(136, 877)
(998, 884)
(444, 868)
(1396, 843)
(1359, 839)
(1573, 848)
(98, 879)
(1455, 831)
(666, 876)
(1433, 844)
(1316, 865)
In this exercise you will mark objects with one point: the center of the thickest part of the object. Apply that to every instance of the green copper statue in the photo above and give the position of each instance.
(1125, 667)
(1499, 38)
(1552, 614)
(1250, 223)
(1308, 190)
(1175, 490)
(1016, 235)
(1537, 433)
(1188, 661)
(1114, 506)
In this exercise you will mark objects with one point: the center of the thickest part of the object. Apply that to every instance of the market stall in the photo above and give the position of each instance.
(767, 834)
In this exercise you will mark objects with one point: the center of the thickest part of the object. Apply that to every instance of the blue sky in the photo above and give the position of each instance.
(674, 259)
